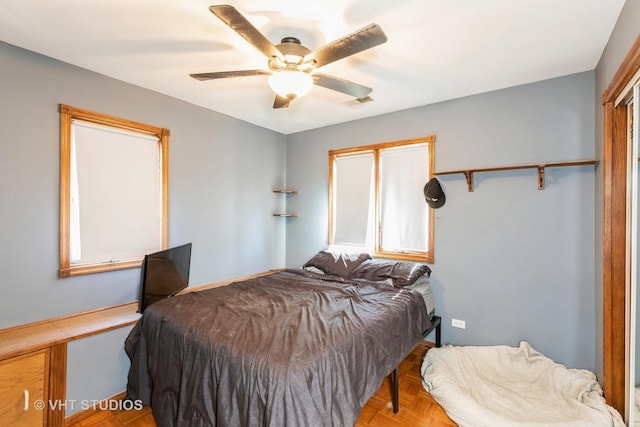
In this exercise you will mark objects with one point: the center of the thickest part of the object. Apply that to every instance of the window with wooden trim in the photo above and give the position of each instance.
(376, 199)
(113, 191)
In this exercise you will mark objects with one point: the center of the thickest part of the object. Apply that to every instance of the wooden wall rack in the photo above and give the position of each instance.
(468, 173)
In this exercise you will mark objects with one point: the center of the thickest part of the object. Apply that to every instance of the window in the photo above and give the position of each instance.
(376, 202)
(113, 192)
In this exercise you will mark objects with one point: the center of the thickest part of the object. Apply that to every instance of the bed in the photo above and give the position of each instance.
(306, 346)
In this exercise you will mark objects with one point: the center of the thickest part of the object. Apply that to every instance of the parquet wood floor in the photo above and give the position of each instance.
(417, 408)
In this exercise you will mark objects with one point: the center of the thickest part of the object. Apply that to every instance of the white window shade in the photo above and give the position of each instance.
(404, 214)
(353, 199)
(119, 196)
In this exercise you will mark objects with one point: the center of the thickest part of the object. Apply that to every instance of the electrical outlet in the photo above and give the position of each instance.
(458, 323)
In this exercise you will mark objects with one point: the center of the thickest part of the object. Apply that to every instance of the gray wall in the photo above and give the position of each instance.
(514, 262)
(221, 173)
(621, 40)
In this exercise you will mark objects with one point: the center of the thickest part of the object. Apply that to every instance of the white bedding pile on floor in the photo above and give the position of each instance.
(636, 407)
(513, 386)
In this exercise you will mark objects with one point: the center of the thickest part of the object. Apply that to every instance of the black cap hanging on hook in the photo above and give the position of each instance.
(433, 193)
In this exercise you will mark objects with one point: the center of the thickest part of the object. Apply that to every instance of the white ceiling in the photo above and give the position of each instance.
(436, 49)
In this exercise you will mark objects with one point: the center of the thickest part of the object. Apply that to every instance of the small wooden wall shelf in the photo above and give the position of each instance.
(468, 173)
(287, 192)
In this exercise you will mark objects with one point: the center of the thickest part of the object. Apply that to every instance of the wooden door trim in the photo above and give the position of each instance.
(614, 164)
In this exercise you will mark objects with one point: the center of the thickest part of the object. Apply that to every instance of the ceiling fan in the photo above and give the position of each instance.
(291, 66)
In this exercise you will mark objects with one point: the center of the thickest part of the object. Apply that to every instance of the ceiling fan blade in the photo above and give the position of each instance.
(281, 102)
(227, 74)
(234, 19)
(341, 85)
(363, 39)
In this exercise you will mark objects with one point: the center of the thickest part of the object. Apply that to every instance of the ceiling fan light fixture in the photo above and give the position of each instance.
(291, 83)
(292, 66)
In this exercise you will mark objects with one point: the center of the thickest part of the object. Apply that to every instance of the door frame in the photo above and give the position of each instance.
(615, 264)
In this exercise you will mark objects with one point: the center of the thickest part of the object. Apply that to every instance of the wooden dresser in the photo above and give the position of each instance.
(33, 363)
(23, 386)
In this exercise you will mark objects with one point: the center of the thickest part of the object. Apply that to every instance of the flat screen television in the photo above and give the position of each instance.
(163, 274)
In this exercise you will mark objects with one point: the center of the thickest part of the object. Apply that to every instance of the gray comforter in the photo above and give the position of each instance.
(292, 348)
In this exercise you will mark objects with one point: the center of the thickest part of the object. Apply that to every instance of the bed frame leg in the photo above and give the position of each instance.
(394, 392)
(437, 323)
